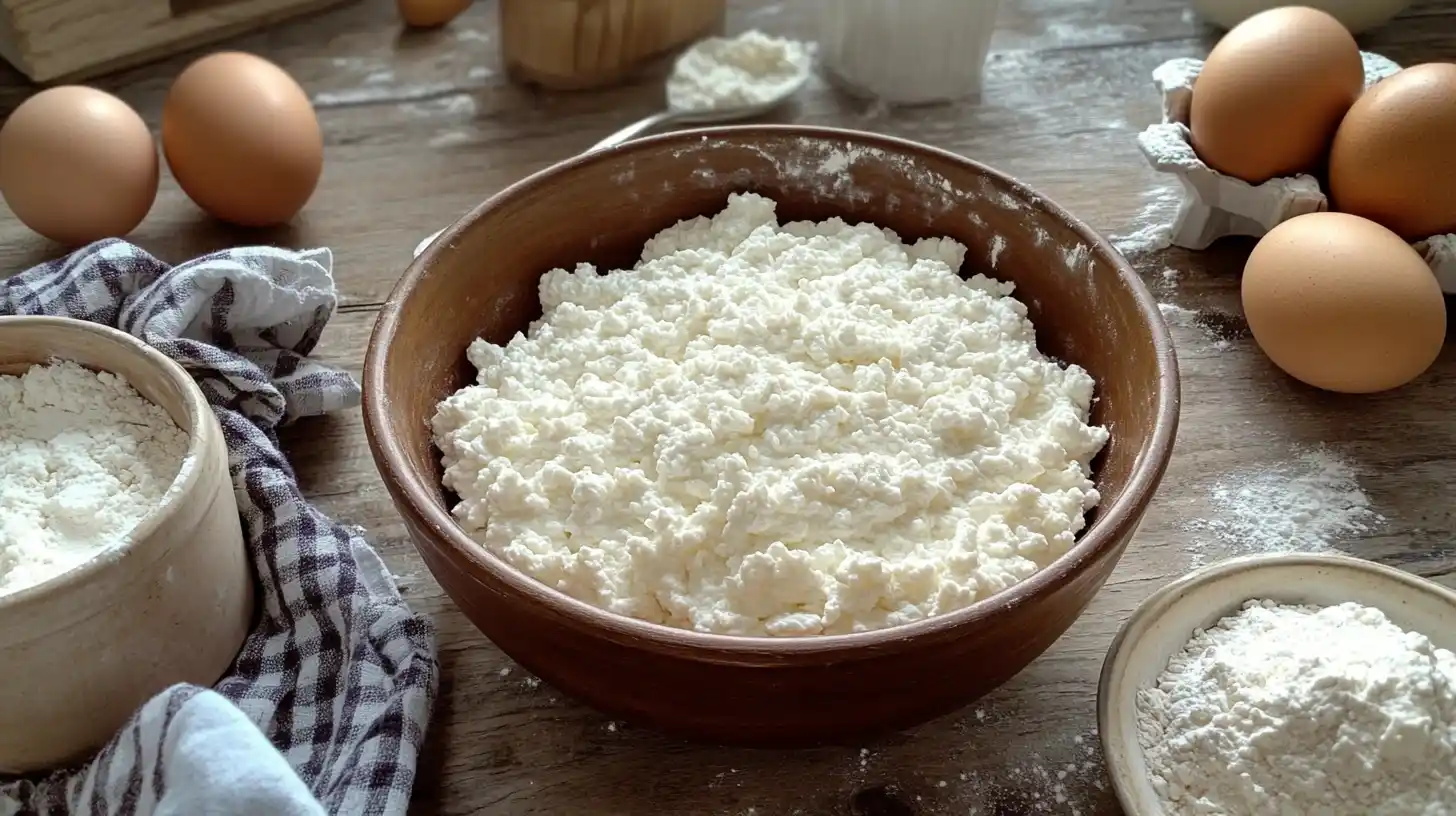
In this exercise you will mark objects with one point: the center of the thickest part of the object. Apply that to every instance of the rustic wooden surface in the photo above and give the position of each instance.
(63, 40)
(422, 125)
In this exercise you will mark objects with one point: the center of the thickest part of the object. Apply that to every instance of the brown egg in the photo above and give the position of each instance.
(430, 13)
(242, 139)
(1342, 303)
(1272, 93)
(1394, 157)
(77, 165)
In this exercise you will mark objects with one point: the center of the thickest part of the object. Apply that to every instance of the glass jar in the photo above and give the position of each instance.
(907, 52)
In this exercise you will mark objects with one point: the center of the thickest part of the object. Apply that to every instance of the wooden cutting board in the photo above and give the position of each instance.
(580, 44)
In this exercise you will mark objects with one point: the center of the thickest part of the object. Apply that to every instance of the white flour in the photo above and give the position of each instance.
(83, 458)
(766, 430)
(1060, 777)
(1301, 710)
(751, 69)
(1178, 316)
(1152, 230)
(1182, 318)
(1305, 505)
(1065, 780)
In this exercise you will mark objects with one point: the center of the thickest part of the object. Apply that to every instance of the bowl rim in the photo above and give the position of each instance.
(1152, 609)
(1115, 518)
(183, 485)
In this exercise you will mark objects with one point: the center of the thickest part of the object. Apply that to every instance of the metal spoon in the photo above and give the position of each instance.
(671, 117)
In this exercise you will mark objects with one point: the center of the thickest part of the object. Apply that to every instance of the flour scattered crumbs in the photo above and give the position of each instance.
(1220, 337)
(1067, 785)
(1064, 780)
(1152, 229)
(1307, 504)
(1065, 777)
(1178, 316)
(528, 681)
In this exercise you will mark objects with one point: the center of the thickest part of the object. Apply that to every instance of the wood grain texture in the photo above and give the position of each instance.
(52, 40)
(422, 125)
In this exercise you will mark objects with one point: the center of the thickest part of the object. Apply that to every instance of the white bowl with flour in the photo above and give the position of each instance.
(113, 603)
(1331, 693)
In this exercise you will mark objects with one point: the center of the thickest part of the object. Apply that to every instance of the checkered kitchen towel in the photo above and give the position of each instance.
(326, 706)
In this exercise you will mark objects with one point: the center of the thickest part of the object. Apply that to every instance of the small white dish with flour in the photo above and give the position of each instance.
(125, 566)
(1335, 695)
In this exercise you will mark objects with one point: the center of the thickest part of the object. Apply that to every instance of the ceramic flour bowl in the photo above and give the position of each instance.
(480, 279)
(171, 604)
(1162, 625)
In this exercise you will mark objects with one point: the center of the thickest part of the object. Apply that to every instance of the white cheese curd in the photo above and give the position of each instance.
(790, 430)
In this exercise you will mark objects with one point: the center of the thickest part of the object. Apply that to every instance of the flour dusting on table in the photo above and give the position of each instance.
(1191, 319)
(1066, 776)
(1065, 779)
(1178, 316)
(1309, 504)
(1152, 229)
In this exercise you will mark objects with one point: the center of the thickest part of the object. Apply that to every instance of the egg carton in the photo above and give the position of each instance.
(1440, 252)
(1215, 205)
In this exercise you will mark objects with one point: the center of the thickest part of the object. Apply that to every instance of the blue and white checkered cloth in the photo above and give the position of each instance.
(325, 708)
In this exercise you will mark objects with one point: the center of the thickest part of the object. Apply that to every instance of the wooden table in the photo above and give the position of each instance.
(420, 126)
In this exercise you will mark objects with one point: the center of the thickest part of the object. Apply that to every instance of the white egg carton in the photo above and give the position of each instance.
(1215, 205)
(1440, 253)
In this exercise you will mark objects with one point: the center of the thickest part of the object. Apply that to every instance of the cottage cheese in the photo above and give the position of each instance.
(83, 459)
(803, 429)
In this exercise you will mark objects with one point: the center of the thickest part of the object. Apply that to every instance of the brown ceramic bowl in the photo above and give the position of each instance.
(479, 279)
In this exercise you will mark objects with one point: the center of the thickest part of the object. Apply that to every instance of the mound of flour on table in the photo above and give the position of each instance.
(774, 430)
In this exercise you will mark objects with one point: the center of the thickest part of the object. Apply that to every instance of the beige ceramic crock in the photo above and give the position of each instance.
(82, 651)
